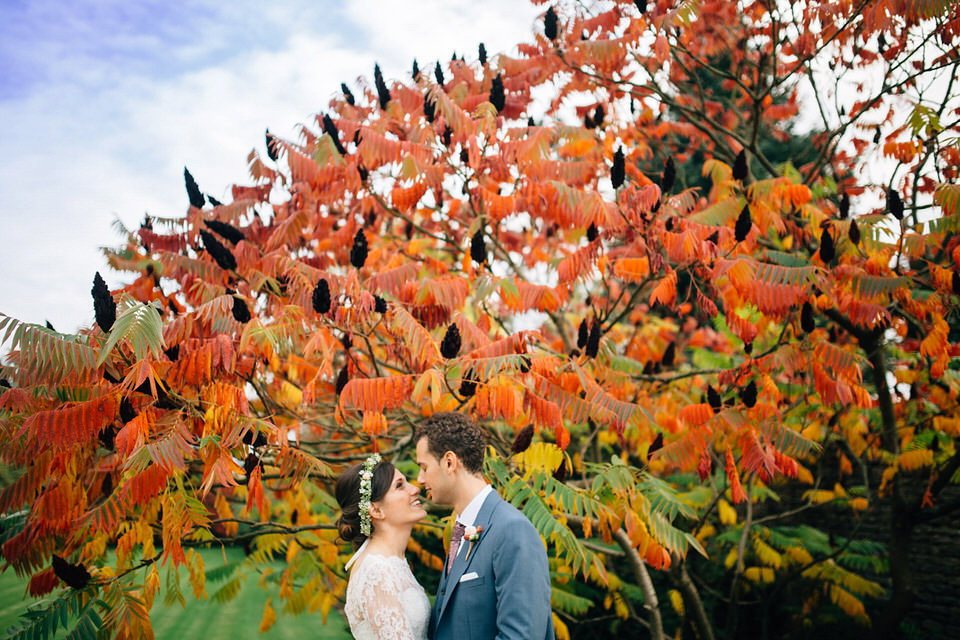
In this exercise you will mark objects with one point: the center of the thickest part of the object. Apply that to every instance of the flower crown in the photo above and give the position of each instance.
(366, 480)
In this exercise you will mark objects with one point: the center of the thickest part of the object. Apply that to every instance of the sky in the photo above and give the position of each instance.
(104, 102)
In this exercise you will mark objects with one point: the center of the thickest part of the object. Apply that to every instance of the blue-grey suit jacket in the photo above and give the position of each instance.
(502, 590)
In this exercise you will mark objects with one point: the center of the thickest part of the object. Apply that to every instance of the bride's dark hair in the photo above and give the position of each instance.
(348, 497)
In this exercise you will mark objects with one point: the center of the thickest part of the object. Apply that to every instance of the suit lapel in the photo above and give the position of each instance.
(449, 582)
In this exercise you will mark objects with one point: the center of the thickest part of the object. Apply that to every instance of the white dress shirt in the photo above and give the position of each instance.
(471, 511)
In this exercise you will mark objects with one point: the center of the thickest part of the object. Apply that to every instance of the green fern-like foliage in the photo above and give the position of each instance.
(569, 602)
(46, 619)
(659, 503)
(948, 197)
(521, 495)
(228, 591)
(43, 355)
(139, 325)
(869, 287)
(720, 213)
(774, 274)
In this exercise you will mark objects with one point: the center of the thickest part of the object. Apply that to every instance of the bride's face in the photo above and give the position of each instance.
(401, 504)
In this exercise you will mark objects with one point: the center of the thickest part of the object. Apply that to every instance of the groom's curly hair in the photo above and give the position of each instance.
(453, 431)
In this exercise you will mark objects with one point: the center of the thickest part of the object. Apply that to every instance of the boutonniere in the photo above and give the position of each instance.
(471, 534)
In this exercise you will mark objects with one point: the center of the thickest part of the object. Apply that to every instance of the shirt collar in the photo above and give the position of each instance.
(469, 514)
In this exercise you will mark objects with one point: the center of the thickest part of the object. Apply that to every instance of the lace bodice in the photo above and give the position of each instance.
(385, 601)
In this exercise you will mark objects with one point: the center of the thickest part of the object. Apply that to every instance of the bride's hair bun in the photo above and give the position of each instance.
(348, 497)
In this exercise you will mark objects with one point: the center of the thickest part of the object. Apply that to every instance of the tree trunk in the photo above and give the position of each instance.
(691, 598)
(902, 518)
(650, 602)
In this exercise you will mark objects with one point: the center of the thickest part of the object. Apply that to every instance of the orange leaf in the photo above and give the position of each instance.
(696, 414)
(632, 269)
(374, 423)
(666, 290)
(661, 49)
(736, 489)
(377, 394)
(562, 436)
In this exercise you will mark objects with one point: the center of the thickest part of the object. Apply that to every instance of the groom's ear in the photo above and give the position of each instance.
(449, 461)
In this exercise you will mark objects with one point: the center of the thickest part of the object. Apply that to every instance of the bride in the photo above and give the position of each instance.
(378, 510)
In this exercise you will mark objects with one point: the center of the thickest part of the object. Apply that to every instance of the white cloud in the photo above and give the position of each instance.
(117, 97)
(431, 30)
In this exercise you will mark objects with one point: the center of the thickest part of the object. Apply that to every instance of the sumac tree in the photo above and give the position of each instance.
(668, 302)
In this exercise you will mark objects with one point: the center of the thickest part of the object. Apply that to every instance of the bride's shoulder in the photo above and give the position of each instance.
(380, 573)
(369, 562)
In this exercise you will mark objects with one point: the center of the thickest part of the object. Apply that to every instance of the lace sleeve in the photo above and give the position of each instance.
(380, 598)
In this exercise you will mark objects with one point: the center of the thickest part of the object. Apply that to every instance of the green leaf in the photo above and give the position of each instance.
(663, 498)
(569, 602)
(508, 285)
(327, 152)
(45, 353)
(141, 326)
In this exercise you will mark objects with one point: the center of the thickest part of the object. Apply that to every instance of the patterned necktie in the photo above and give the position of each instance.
(454, 544)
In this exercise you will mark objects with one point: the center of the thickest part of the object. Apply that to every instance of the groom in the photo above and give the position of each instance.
(497, 585)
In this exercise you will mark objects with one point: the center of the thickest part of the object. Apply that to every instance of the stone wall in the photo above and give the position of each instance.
(934, 553)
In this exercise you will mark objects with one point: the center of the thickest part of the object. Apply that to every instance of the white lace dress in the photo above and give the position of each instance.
(385, 601)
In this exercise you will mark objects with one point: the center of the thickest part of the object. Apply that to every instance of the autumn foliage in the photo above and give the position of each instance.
(669, 296)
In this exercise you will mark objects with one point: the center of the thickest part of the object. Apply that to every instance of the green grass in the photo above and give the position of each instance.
(205, 620)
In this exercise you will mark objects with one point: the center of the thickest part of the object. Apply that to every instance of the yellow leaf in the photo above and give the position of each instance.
(222, 507)
(636, 531)
(819, 497)
(417, 246)
(560, 629)
(846, 601)
(804, 475)
(705, 533)
(198, 579)
(421, 387)
(150, 586)
(859, 504)
(269, 617)
(759, 574)
(812, 431)
(799, 555)
(916, 459)
(676, 601)
(766, 554)
(950, 426)
(544, 456)
(887, 476)
(292, 551)
(728, 515)
(290, 395)
(329, 599)
(428, 382)
(619, 606)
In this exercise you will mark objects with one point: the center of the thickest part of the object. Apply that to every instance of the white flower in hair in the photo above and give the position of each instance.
(366, 491)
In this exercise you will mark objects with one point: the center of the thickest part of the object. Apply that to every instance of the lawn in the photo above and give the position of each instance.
(238, 619)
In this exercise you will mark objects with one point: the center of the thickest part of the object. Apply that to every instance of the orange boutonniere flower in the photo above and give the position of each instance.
(471, 534)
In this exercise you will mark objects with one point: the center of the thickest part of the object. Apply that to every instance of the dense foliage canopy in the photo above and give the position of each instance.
(694, 264)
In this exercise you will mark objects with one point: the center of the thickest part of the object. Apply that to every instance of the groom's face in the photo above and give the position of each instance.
(434, 476)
